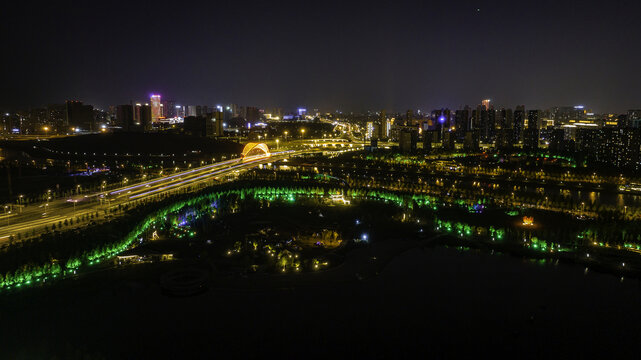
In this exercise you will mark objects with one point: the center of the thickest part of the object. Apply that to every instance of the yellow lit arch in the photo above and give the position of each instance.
(255, 147)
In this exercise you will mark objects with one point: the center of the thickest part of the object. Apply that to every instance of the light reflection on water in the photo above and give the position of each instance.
(590, 197)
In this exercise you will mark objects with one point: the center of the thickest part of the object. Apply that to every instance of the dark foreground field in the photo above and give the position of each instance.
(438, 302)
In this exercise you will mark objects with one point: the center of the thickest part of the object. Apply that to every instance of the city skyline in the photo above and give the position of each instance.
(484, 102)
(412, 56)
(244, 179)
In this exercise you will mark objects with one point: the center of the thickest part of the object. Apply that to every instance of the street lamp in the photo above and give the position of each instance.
(285, 133)
(276, 144)
(7, 213)
(74, 205)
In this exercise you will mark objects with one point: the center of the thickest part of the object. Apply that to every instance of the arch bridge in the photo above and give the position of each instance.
(253, 150)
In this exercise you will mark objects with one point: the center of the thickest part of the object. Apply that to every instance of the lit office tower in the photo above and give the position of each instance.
(370, 130)
(180, 111)
(486, 104)
(137, 113)
(156, 109)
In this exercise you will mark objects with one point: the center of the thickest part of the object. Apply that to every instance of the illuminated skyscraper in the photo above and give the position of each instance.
(156, 109)
(369, 130)
(180, 111)
(137, 113)
(486, 104)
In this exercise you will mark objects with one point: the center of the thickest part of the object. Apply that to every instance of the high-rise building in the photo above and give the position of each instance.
(429, 137)
(534, 119)
(217, 118)
(198, 126)
(490, 125)
(387, 129)
(253, 114)
(504, 132)
(190, 110)
(556, 140)
(634, 119)
(408, 139)
(448, 140)
(146, 117)
(565, 115)
(508, 118)
(137, 113)
(180, 111)
(531, 138)
(409, 117)
(202, 110)
(369, 130)
(78, 116)
(125, 117)
(611, 147)
(518, 124)
(56, 117)
(461, 122)
(471, 140)
(168, 108)
(156, 108)
(385, 125)
(486, 104)
(209, 125)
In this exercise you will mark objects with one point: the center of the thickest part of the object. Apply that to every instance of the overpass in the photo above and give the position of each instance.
(38, 217)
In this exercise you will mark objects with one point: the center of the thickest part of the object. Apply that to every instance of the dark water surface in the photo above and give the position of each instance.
(441, 303)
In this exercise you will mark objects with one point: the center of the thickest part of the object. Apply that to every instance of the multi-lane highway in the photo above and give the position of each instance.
(35, 218)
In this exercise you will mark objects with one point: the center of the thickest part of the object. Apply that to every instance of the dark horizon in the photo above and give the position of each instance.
(349, 57)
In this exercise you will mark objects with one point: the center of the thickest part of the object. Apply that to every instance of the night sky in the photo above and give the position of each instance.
(319, 54)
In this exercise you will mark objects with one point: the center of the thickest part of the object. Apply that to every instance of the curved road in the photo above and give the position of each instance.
(35, 218)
